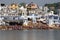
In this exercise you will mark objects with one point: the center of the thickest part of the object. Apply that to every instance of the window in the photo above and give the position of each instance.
(42, 16)
(59, 18)
(35, 14)
(13, 18)
(55, 17)
(50, 16)
(30, 14)
(5, 18)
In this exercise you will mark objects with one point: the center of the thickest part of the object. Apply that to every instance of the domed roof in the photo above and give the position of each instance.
(13, 6)
(32, 5)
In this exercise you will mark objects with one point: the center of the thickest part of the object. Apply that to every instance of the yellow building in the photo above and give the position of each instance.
(31, 8)
(13, 6)
(13, 9)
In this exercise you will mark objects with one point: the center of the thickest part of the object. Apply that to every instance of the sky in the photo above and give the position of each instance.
(39, 2)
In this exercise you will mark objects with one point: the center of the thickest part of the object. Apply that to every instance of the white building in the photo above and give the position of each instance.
(53, 20)
(1, 21)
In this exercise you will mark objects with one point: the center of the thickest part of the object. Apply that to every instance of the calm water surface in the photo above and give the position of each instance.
(30, 35)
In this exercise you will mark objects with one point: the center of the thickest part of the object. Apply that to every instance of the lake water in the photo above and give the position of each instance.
(30, 35)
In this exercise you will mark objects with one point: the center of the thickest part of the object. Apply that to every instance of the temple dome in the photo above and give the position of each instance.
(13, 6)
(32, 5)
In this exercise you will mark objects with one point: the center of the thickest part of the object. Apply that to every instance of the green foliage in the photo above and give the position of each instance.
(50, 5)
(56, 5)
(22, 4)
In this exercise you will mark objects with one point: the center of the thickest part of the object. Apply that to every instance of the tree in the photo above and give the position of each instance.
(22, 4)
(55, 5)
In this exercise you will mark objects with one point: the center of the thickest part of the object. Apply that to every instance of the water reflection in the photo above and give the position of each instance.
(29, 35)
